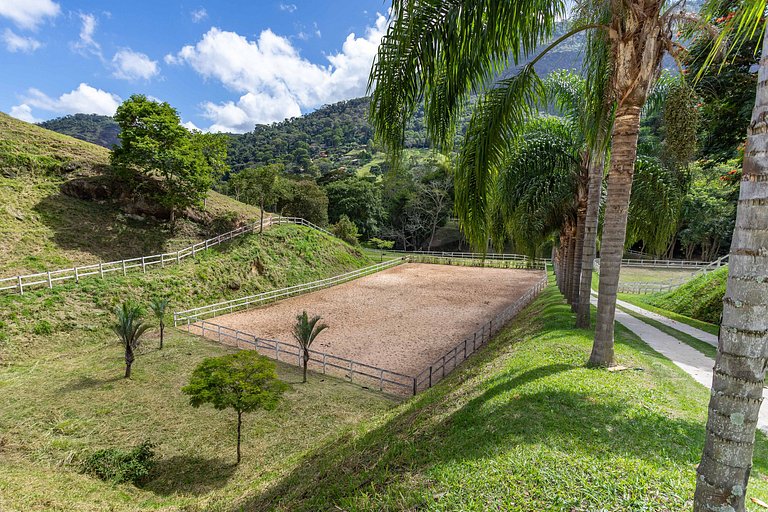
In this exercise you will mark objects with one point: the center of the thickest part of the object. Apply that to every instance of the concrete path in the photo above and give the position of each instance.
(678, 326)
(687, 358)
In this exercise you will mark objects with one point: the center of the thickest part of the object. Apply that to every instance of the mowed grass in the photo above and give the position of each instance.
(653, 275)
(55, 410)
(524, 426)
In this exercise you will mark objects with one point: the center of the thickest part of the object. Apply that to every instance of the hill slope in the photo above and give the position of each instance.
(43, 228)
(700, 298)
(100, 130)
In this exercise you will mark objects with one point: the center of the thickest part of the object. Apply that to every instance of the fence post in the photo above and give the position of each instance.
(443, 366)
(77, 276)
(219, 330)
(143, 265)
(350, 371)
(277, 350)
(474, 342)
(465, 348)
(162, 260)
(21, 287)
(50, 282)
(101, 269)
(430, 376)
(490, 328)
(178, 257)
(381, 380)
(414, 386)
(124, 267)
(324, 363)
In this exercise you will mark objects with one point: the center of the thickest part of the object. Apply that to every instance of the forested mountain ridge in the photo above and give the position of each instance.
(93, 128)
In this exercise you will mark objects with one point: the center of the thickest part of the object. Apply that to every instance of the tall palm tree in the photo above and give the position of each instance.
(742, 354)
(439, 52)
(305, 331)
(129, 328)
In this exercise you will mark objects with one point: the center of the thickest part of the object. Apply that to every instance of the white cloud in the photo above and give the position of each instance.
(16, 43)
(87, 43)
(85, 99)
(189, 125)
(273, 79)
(131, 65)
(199, 15)
(23, 112)
(288, 7)
(29, 14)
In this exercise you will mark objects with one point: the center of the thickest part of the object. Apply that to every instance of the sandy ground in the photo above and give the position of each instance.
(401, 319)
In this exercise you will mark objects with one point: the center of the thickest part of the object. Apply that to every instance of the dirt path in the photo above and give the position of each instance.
(401, 319)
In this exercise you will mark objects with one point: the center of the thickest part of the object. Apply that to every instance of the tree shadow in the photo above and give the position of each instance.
(188, 475)
(84, 382)
(518, 409)
(79, 225)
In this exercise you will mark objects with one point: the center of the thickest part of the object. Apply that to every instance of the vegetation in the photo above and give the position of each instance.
(257, 186)
(93, 128)
(119, 466)
(154, 143)
(42, 228)
(244, 381)
(159, 305)
(346, 230)
(129, 328)
(700, 298)
(304, 332)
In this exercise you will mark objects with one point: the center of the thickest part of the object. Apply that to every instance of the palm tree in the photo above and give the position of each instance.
(742, 354)
(305, 331)
(439, 52)
(158, 305)
(129, 328)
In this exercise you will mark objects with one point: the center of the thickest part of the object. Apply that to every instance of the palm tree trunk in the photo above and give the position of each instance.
(739, 373)
(594, 190)
(306, 363)
(571, 262)
(626, 128)
(128, 360)
(162, 330)
(239, 429)
(578, 253)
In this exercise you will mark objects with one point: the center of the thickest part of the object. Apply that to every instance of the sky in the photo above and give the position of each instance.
(225, 65)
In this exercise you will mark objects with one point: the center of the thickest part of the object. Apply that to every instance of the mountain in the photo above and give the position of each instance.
(100, 130)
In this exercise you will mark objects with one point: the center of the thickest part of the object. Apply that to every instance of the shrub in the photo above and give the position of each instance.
(118, 466)
(346, 230)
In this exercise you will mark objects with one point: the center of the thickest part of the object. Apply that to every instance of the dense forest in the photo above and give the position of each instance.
(101, 130)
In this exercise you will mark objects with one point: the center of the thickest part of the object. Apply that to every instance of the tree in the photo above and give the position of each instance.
(243, 381)
(129, 328)
(305, 199)
(154, 143)
(360, 200)
(304, 332)
(742, 352)
(257, 186)
(439, 53)
(158, 305)
(346, 230)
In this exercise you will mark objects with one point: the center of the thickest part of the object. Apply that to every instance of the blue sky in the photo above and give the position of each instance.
(224, 65)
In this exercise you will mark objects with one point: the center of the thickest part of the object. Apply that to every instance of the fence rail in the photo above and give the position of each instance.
(672, 283)
(359, 373)
(49, 278)
(476, 260)
(193, 315)
(461, 351)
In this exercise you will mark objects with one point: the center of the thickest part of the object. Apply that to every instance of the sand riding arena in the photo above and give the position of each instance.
(399, 329)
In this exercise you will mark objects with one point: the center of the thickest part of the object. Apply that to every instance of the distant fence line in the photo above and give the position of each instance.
(49, 278)
(357, 372)
(477, 260)
(652, 263)
(672, 283)
(193, 315)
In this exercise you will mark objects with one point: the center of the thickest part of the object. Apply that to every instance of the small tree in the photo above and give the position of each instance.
(305, 331)
(258, 186)
(243, 381)
(346, 230)
(158, 305)
(129, 328)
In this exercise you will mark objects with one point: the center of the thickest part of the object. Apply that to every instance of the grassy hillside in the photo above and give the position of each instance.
(524, 426)
(701, 298)
(41, 228)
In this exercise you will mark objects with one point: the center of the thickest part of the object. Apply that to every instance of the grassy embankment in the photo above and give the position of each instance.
(43, 229)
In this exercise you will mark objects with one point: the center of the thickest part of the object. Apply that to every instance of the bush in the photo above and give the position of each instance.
(346, 230)
(43, 327)
(118, 466)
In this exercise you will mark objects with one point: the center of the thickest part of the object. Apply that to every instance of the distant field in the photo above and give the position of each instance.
(653, 275)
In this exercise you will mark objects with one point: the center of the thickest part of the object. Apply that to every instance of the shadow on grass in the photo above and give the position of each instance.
(79, 225)
(83, 382)
(187, 475)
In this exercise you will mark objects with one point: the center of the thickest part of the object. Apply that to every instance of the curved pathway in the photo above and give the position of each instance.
(687, 358)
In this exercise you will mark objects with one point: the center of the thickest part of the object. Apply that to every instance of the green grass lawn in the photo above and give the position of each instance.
(524, 426)
(642, 301)
(652, 275)
(689, 340)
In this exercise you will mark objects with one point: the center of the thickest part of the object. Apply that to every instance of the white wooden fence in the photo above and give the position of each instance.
(193, 315)
(47, 279)
(672, 283)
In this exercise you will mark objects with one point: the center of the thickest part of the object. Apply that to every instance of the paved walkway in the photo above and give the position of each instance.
(687, 358)
(678, 326)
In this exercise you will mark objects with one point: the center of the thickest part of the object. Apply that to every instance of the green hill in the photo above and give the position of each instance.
(100, 130)
(700, 298)
(42, 227)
